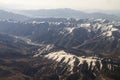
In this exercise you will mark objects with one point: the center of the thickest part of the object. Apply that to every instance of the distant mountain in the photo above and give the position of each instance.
(65, 13)
(115, 12)
(12, 16)
(43, 13)
(111, 12)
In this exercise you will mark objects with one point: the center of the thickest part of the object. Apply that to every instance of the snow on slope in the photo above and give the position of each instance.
(70, 29)
(97, 26)
(69, 58)
(105, 29)
(109, 30)
(44, 49)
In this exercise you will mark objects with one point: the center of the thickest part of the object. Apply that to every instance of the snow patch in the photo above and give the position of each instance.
(44, 50)
(85, 25)
(69, 58)
(70, 29)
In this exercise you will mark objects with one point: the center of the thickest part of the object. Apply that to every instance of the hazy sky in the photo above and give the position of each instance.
(74, 4)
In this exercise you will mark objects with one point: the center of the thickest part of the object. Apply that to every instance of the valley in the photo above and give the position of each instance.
(60, 49)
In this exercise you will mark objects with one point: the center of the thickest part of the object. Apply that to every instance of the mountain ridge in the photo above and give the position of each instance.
(66, 13)
(23, 15)
(13, 16)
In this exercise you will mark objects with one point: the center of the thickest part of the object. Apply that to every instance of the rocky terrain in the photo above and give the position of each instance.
(60, 49)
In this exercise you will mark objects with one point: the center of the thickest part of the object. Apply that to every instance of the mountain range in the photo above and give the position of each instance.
(55, 13)
(12, 16)
(59, 46)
